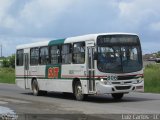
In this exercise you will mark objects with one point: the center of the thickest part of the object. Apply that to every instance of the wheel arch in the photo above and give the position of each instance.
(74, 82)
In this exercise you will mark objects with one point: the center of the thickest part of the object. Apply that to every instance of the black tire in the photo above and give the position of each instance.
(35, 88)
(117, 96)
(78, 91)
(67, 93)
(42, 92)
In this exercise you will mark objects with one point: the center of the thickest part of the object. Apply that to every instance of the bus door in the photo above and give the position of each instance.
(91, 70)
(26, 70)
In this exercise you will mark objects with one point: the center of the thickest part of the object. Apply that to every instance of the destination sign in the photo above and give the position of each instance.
(118, 40)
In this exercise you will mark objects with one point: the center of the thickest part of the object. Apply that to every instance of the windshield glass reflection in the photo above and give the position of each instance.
(119, 59)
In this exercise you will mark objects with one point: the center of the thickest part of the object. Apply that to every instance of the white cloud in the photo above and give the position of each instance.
(137, 12)
(4, 6)
(33, 16)
(40, 13)
(6, 21)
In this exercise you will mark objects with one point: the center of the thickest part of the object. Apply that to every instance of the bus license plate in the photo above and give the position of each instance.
(112, 77)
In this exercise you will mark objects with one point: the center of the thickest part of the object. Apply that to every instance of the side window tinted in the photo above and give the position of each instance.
(34, 56)
(66, 54)
(44, 57)
(79, 53)
(55, 54)
(19, 58)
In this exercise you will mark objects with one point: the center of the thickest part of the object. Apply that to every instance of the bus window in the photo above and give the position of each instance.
(66, 54)
(19, 60)
(79, 53)
(34, 56)
(44, 57)
(55, 54)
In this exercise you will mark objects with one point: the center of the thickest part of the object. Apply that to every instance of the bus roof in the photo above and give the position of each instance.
(93, 36)
(36, 44)
(70, 39)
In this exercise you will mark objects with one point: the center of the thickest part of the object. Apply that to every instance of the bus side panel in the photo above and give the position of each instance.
(84, 84)
(20, 83)
(52, 83)
(77, 71)
(20, 76)
(58, 85)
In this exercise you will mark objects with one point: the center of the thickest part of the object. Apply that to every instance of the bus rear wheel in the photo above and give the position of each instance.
(117, 96)
(35, 88)
(78, 91)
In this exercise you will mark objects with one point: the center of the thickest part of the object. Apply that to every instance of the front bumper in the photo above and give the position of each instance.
(102, 88)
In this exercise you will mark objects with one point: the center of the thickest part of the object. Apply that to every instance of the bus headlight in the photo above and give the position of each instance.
(102, 80)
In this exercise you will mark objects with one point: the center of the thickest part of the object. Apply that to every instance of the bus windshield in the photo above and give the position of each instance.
(119, 53)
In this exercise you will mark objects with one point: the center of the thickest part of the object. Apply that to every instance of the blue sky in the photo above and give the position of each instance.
(26, 21)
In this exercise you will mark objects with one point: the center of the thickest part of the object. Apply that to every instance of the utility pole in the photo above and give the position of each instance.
(1, 50)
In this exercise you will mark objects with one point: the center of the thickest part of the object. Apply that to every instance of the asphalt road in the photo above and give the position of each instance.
(66, 107)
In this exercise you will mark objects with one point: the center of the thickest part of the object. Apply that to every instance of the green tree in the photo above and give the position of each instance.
(12, 61)
(5, 62)
(9, 61)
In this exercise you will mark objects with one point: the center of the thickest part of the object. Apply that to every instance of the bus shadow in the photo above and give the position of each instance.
(109, 99)
(58, 95)
(94, 98)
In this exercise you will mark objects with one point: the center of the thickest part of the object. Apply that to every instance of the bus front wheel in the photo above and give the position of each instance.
(117, 96)
(78, 91)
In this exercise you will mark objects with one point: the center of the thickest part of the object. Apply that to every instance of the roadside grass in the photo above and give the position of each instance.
(152, 78)
(7, 75)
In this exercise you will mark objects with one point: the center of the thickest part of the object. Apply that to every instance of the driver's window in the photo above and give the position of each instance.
(134, 54)
(129, 53)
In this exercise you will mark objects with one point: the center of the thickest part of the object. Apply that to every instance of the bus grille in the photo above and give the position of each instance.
(122, 87)
(128, 77)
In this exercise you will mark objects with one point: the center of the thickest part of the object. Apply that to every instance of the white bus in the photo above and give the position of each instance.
(107, 63)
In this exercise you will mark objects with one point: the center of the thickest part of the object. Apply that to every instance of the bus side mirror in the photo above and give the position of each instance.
(95, 56)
